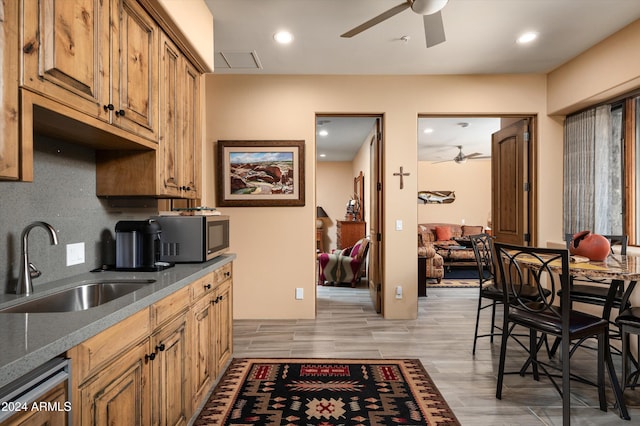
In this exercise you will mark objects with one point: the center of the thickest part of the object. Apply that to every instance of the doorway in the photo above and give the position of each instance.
(348, 173)
(489, 164)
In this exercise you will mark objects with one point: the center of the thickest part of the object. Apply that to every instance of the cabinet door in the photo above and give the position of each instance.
(9, 148)
(170, 137)
(119, 394)
(224, 323)
(66, 52)
(134, 73)
(170, 374)
(191, 131)
(203, 349)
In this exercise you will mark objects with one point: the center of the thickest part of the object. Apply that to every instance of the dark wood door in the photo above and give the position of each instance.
(374, 273)
(511, 183)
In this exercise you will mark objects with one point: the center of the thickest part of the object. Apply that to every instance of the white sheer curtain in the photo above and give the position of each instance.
(592, 171)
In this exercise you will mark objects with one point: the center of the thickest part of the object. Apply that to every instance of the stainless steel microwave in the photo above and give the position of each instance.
(188, 239)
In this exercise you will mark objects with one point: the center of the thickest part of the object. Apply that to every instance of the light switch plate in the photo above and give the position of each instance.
(75, 254)
(299, 293)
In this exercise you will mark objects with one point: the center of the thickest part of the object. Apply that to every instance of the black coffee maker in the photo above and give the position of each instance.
(138, 245)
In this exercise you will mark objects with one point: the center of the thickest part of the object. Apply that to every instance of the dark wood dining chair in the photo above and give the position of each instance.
(525, 267)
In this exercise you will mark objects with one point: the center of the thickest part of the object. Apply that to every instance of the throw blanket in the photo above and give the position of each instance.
(337, 267)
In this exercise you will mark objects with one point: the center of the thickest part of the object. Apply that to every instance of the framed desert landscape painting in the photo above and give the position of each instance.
(260, 173)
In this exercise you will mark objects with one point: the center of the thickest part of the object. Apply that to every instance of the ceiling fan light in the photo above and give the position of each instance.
(428, 7)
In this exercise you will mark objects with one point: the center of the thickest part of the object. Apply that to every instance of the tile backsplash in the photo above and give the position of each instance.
(62, 194)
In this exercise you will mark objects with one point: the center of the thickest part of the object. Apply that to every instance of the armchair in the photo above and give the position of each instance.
(343, 266)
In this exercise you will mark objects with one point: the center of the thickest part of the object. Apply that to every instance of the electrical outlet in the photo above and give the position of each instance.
(299, 293)
(399, 292)
(75, 254)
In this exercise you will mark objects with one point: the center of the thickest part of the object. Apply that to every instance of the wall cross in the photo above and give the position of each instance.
(402, 175)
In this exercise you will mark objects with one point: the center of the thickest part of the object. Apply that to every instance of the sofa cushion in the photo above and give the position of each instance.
(443, 233)
(471, 230)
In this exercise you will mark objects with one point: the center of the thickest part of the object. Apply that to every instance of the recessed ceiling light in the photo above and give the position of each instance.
(429, 130)
(323, 155)
(283, 37)
(323, 132)
(527, 37)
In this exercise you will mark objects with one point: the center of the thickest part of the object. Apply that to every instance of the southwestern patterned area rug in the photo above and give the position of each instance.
(445, 283)
(326, 392)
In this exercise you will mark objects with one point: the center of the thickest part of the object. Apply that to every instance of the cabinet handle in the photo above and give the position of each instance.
(108, 107)
(160, 347)
(207, 286)
(120, 113)
(227, 274)
(150, 357)
(216, 300)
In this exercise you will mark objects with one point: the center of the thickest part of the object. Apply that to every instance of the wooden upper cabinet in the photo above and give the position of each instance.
(95, 57)
(179, 156)
(65, 50)
(169, 142)
(191, 132)
(134, 71)
(9, 112)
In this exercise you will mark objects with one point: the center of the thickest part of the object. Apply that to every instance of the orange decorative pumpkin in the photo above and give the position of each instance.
(594, 246)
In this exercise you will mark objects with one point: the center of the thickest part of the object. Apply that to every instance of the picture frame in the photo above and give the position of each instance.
(260, 173)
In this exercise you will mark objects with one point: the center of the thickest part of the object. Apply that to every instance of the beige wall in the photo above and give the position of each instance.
(334, 187)
(608, 69)
(275, 246)
(471, 182)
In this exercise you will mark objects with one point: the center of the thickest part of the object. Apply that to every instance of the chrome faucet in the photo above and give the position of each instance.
(27, 269)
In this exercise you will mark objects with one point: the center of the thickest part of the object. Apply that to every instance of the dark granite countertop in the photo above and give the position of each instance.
(30, 340)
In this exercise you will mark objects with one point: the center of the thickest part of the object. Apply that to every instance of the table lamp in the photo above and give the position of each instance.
(320, 213)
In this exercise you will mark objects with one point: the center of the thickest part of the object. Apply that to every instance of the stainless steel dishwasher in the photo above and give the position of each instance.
(25, 394)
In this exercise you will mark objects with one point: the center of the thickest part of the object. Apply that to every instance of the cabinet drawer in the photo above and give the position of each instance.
(93, 353)
(168, 307)
(222, 274)
(202, 286)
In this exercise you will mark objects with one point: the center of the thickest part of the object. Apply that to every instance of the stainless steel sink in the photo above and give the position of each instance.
(81, 297)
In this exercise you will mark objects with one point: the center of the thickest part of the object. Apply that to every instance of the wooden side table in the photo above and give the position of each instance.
(348, 232)
(319, 240)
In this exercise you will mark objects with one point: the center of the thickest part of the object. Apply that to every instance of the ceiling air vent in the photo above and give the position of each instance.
(238, 60)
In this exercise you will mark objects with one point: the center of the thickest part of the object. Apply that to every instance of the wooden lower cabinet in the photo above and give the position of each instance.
(157, 366)
(170, 374)
(118, 394)
(212, 333)
(223, 326)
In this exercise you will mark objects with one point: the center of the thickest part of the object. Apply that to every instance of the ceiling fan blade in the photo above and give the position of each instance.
(382, 17)
(434, 29)
(475, 154)
(479, 157)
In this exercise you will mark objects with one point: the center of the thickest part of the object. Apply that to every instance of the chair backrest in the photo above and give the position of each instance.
(483, 250)
(527, 271)
(360, 249)
(614, 240)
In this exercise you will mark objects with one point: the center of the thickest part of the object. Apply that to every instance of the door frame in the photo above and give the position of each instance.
(380, 208)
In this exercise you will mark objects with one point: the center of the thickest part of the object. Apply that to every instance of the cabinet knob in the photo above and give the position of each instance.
(108, 107)
(150, 357)
(207, 286)
(120, 113)
(227, 274)
(161, 347)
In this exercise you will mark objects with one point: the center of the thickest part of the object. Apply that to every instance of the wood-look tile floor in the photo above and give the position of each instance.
(347, 327)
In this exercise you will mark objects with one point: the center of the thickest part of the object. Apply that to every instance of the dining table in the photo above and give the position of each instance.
(620, 272)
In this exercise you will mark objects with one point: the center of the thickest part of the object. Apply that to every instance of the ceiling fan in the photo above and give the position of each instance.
(462, 158)
(429, 9)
